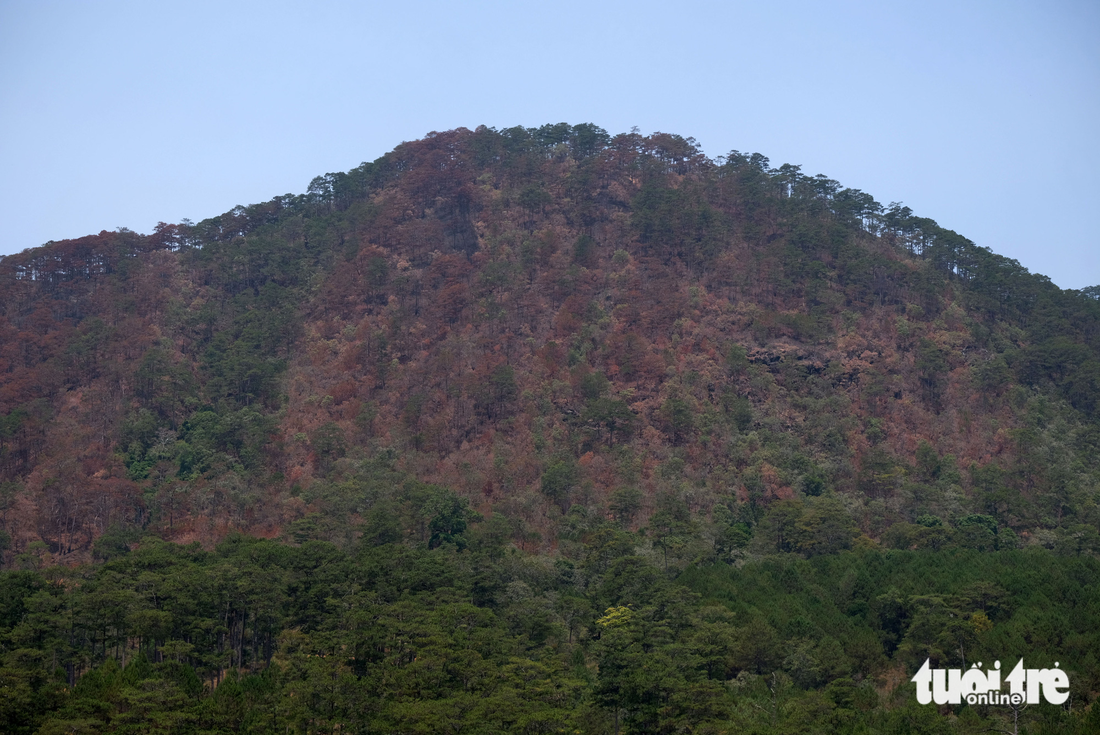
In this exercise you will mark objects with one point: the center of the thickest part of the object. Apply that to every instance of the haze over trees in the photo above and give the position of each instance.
(541, 429)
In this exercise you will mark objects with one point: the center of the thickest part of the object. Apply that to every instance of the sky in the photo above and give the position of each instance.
(984, 116)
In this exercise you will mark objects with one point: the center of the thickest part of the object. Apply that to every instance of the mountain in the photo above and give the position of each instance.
(537, 318)
(547, 337)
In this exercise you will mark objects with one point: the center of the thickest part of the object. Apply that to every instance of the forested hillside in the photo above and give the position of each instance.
(643, 440)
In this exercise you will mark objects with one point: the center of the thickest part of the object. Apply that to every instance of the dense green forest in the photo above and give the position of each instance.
(455, 630)
(543, 430)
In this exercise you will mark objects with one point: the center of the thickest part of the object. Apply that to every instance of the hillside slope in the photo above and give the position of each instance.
(549, 322)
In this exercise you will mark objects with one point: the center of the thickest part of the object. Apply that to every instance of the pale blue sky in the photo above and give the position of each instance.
(984, 116)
